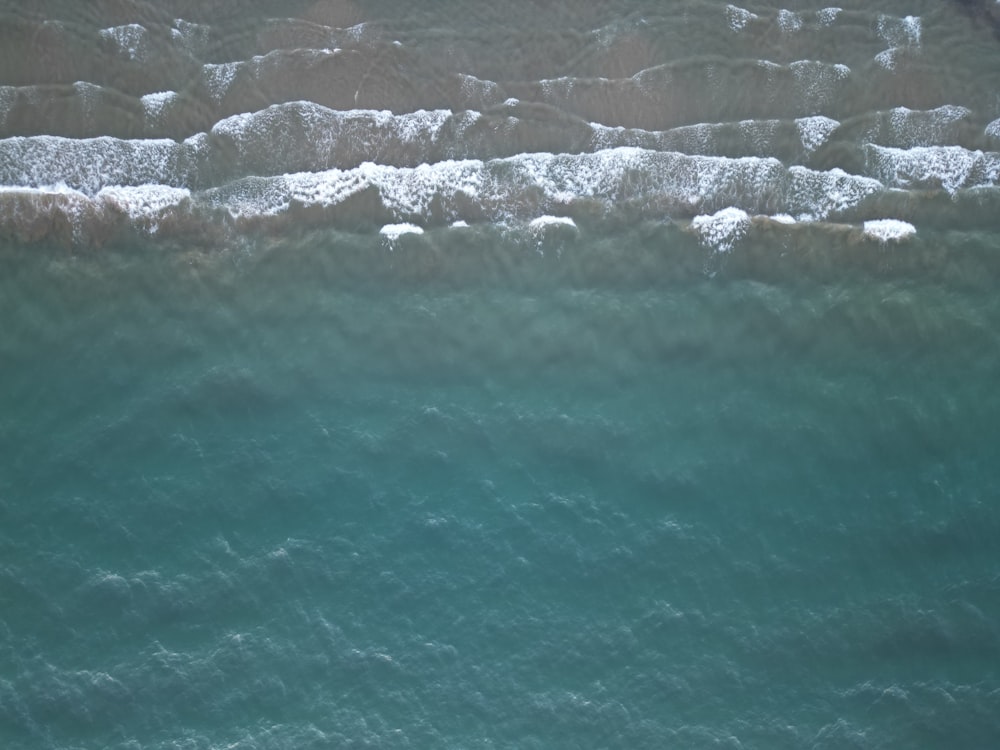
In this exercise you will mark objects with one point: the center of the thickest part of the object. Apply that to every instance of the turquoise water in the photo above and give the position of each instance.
(607, 374)
(253, 504)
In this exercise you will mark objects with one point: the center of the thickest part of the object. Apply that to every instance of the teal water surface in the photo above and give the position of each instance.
(535, 375)
(248, 503)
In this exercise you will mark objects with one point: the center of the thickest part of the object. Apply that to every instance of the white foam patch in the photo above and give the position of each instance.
(889, 58)
(604, 136)
(926, 127)
(815, 131)
(782, 219)
(237, 126)
(410, 191)
(564, 178)
(86, 89)
(253, 197)
(738, 18)
(789, 21)
(462, 121)
(323, 188)
(219, 78)
(58, 188)
(196, 145)
(156, 104)
(912, 28)
(144, 204)
(902, 34)
(477, 91)
(723, 229)
(412, 126)
(395, 231)
(324, 128)
(899, 32)
(812, 195)
(357, 32)
(701, 138)
(950, 168)
(123, 177)
(403, 191)
(130, 40)
(143, 200)
(828, 16)
(889, 230)
(88, 164)
(540, 184)
(993, 129)
(544, 222)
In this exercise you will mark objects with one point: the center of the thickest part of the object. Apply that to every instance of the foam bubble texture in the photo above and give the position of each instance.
(928, 167)
(888, 230)
(395, 231)
(815, 131)
(738, 18)
(90, 164)
(723, 229)
(131, 40)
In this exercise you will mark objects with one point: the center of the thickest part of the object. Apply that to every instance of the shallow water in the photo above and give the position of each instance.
(343, 404)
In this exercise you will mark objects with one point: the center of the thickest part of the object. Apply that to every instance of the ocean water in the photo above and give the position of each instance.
(609, 374)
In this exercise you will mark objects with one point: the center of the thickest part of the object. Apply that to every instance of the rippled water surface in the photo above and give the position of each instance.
(479, 375)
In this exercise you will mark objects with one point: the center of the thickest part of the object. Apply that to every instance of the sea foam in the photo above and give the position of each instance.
(395, 231)
(723, 229)
(888, 230)
(946, 167)
(131, 40)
